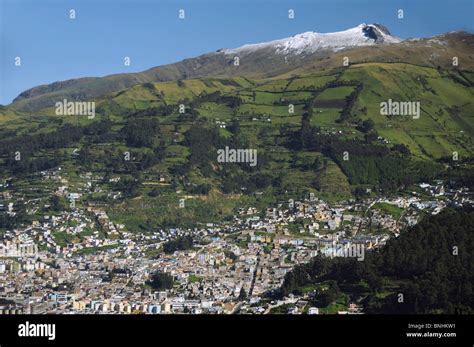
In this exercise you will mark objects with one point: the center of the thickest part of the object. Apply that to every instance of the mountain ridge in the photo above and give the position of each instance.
(261, 63)
(310, 41)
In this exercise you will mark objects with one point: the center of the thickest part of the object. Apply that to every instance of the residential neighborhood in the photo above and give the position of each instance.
(81, 261)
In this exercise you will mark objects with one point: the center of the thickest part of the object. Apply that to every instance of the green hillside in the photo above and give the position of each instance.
(300, 125)
(446, 119)
(430, 52)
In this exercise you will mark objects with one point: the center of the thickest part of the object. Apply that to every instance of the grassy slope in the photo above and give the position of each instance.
(436, 133)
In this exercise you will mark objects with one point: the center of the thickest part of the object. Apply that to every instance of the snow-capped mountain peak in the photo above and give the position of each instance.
(310, 42)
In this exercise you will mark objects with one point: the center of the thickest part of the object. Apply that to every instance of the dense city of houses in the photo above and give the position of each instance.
(107, 270)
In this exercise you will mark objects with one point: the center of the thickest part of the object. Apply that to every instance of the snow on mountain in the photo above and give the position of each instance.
(310, 42)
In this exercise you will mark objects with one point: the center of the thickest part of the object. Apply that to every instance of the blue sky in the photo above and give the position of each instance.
(53, 47)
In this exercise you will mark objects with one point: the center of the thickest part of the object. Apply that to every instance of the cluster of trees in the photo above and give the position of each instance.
(8, 222)
(305, 137)
(117, 161)
(62, 137)
(234, 127)
(430, 265)
(25, 147)
(56, 204)
(361, 162)
(350, 101)
(129, 187)
(160, 111)
(366, 126)
(217, 97)
(233, 181)
(140, 132)
(179, 244)
(190, 115)
(462, 177)
(308, 133)
(26, 165)
(325, 295)
(434, 259)
(161, 280)
(28, 144)
(377, 165)
(200, 189)
(203, 143)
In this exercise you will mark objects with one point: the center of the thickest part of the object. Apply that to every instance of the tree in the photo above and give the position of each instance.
(318, 163)
(234, 127)
(360, 193)
(56, 203)
(242, 294)
(128, 186)
(326, 296)
(420, 264)
(140, 132)
(180, 244)
(401, 148)
(161, 280)
(367, 125)
(370, 137)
